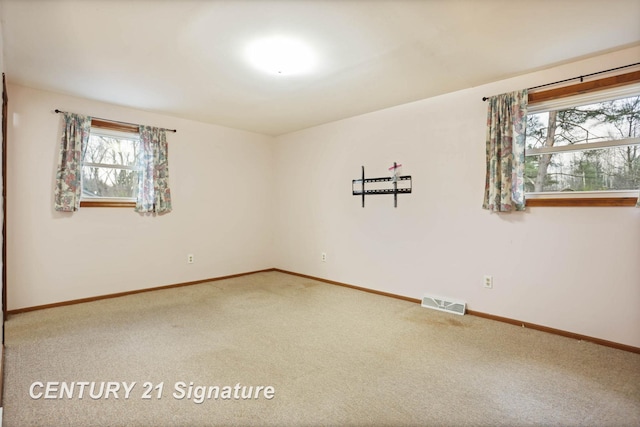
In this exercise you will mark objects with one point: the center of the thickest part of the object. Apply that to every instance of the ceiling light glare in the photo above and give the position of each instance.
(281, 56)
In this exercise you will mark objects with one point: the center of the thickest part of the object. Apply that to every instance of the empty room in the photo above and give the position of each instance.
(320, 213)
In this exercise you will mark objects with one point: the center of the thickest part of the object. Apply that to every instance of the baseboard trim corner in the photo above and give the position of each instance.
(515, 322)
(346, 285)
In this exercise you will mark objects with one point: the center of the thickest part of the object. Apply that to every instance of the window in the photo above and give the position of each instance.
(584, 149)
(110, 168)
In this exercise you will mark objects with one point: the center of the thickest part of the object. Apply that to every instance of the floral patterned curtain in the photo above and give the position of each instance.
(506, 126)
(75, 135)
(154, 195)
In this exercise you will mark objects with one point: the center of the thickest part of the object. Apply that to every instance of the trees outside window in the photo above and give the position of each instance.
(110, 166)
(594, 147)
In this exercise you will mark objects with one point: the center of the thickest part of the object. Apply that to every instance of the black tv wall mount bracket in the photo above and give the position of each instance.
(386, 185)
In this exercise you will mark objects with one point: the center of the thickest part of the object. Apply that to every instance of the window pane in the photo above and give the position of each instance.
(601, 121)
(108, 182)
(111, 150)
(616, 168)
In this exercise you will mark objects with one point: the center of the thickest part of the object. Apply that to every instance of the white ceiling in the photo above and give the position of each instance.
(185, 58)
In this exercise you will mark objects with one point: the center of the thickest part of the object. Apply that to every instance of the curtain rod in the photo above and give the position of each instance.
(576, 78)
(116, 121)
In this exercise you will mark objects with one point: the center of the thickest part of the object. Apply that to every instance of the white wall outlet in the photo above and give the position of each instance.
(323, 256)
(488, 282)
(190, 259)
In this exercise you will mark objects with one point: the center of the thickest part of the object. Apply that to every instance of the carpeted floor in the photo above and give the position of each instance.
(333, 356)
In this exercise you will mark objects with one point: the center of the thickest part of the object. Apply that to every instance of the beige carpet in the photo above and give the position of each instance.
(334, 356)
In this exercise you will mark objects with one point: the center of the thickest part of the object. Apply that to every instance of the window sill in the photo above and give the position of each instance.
(106, 204)
(582, 201)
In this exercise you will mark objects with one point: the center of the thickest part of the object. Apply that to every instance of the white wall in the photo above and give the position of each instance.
(574, 269)
(222, 209)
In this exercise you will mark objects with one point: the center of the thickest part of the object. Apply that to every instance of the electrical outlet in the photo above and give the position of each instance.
(324, 257)
(488, 282)
(190, 259)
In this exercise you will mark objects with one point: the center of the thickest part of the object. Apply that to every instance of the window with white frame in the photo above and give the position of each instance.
(584, 146)
(110, 167)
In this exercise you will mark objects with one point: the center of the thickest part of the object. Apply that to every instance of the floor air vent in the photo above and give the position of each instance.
(444, 304)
